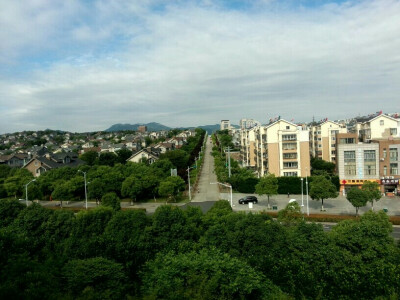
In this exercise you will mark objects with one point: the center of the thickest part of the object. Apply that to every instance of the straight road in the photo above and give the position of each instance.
(207, 192)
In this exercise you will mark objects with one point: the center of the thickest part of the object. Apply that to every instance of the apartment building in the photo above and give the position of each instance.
(247, 147)
(282, 148)
(225, 124)
(389, 162)
(377, 127)
(323, 139)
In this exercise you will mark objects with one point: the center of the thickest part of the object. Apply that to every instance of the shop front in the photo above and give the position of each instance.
(390, 186)
(347, 184)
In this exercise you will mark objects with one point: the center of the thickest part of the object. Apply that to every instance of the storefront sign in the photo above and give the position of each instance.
(390, 181)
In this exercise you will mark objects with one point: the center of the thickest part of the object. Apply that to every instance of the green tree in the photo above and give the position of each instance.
(125, 238)
(358, 197)
(321, 188)
(63, 192)
(268, 185)
(123, 155)
(14, 185)
(96, 189)
(321, 167)
(9, 210)
(107, 159)
(178, 158)
(291, 215)
(90, 157)
(171, 187)
(95, 278)
(111, 200)
(86, 237)
(199, 275)
(373, 189)
(366, 259)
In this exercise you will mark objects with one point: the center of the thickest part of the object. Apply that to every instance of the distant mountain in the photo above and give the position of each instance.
(210, 128)
(153, 126)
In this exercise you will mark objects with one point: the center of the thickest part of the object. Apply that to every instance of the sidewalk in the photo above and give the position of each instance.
(338, 206)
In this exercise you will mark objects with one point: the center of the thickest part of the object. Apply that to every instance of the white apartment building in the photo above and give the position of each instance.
(282, 148)
(323, 140)
(378, 127)
(248, 123)
(247, 147)
(225, 124)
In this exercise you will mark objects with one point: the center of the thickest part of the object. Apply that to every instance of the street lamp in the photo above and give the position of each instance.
(84, 177)
(302, 204)
(227, 185)
(26, 191)
(188, 170)
(308, 210)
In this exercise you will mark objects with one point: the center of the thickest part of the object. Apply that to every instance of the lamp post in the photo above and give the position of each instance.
(227, 185)
(188, 170)
(26, 191)
(84, 177)
(302, 204)
(308, 210)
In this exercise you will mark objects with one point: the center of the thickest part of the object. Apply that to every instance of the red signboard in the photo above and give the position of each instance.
(344, 181)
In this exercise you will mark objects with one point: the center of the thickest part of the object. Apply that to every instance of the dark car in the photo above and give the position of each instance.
(248, 199)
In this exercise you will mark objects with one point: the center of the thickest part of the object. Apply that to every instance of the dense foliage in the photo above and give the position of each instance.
(107, 173)
(184, 254)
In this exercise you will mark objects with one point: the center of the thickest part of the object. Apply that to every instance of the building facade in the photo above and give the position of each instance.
(282, 149)
(323, 140)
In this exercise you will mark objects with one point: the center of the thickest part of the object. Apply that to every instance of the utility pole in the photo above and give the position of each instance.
(228, 159)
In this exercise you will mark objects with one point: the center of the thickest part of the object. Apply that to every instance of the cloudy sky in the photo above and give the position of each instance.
(85, 65)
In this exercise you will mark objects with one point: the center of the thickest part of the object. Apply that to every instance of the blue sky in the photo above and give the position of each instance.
(85, 65)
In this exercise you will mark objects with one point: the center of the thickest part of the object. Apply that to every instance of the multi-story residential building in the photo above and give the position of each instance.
(247, 147)
(225, 124)
(377, 127)
(389, 162)
(282, 148)
(323, 139)
(248, 123)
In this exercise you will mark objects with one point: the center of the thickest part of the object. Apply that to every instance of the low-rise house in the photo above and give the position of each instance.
(16, 160)
(165, 147)
(147, 154)
(40, 164)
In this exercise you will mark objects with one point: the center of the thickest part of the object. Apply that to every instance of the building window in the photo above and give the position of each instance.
(289, 146)
(290, 174)
(350, 170)
(347, 141)
(384, 152)
(370, 169)
(393, 154)
(369, 156)
(289, 137)
(287, 127)
(349, 156)
(385, 170)
(382, 122)
(393, 169)
(289, 155)
(393, 131)
(333, 152)
(290, 165)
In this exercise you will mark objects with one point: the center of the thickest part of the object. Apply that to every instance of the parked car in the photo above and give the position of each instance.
(248, 199)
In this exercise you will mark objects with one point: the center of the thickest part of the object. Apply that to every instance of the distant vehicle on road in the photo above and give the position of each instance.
(248, 199)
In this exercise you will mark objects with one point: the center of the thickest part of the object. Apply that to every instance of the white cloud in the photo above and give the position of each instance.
(193, 64)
